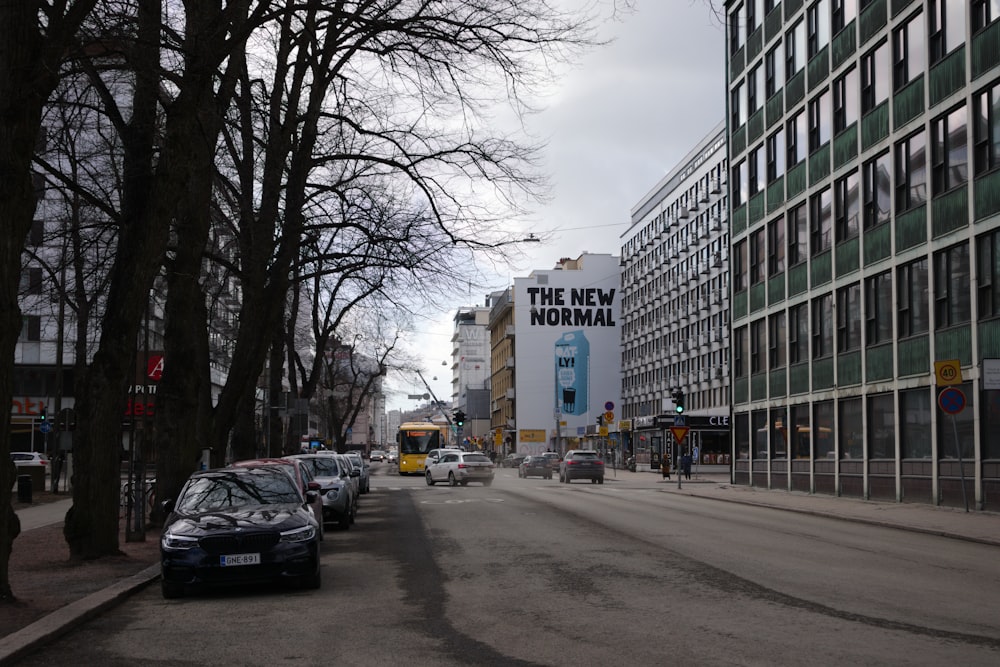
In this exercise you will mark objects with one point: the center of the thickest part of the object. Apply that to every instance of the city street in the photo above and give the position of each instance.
(534, 572)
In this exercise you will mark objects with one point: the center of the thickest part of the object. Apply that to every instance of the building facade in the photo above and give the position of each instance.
(502, 405)
(675, 317)
(864, 146)
(568, 352)
(470, 372)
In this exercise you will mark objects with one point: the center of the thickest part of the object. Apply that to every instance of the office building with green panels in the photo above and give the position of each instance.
(864, 148)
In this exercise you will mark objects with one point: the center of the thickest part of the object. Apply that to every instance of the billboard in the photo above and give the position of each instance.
(567, 349)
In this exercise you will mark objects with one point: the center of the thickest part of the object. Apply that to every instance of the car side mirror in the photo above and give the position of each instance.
(313, 485)
(311, 496)
(355, 473)
(167, 506)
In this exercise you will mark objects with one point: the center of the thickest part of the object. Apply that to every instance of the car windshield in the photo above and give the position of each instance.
(477, 458)
(324, 466)
(224, 491)
(585, 455)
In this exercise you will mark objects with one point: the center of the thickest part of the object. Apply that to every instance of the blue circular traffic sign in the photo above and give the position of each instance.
(45, 427)
(951, 400)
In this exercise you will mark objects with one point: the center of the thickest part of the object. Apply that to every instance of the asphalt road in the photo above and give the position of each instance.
(533, 572)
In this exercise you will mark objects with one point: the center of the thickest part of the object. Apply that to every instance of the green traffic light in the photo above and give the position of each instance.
(679, 409)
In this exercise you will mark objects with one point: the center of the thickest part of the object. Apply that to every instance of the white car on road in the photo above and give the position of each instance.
(460, 468)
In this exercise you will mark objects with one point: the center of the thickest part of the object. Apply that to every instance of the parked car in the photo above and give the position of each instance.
(238, 526)
(29, 459)
(300, 474)
(582, 464)
(535, 466)
(377, 455)
(512, 460)
(352, 472)
(363, 469)
(460, 468)
(336, 490)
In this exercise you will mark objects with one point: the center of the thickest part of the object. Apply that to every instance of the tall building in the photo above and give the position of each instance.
(675, 317)
(470, 370)
(864, 141)
(502, 369)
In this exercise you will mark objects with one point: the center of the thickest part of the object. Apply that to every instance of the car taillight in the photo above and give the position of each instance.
(462, 465)
(599, 462)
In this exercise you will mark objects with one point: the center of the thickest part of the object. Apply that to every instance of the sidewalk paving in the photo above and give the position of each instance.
(56, 595)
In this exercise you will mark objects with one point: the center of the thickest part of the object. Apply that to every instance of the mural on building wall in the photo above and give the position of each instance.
(567, 349)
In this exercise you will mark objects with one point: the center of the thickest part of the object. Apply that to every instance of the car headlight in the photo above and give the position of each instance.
(303, 534)
(176, 542)
(332, 494)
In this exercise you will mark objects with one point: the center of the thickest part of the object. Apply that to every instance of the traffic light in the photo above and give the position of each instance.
(459, 418)
(600, 420)
(678, 395)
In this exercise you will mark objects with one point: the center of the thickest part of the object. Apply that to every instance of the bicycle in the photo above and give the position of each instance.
(127, 498)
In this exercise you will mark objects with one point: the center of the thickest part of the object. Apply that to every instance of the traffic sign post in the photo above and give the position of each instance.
(952, 401)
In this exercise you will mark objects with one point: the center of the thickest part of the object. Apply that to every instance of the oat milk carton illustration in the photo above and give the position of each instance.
(572, 373)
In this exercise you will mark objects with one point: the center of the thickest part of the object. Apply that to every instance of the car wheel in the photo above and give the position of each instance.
(451, 479)
(171, 590)
(354, 512)
(600, 480)
(312, 581)
(593, 480)
(430, 482)
(487, 482)
(345, 520)
(465, 482)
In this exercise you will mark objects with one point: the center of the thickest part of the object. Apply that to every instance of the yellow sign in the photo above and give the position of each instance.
(498, 437)
(603, 432)
(680, 432)
(532, 435)
(625, 425)
(609, 416)
(948, 372)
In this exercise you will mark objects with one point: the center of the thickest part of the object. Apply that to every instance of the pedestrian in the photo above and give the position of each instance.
(686, 466)
(665, 467)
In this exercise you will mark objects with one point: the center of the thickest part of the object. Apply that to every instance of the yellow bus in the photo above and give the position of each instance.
(415, 439)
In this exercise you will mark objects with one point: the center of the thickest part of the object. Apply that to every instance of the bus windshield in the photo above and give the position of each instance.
(418, 441)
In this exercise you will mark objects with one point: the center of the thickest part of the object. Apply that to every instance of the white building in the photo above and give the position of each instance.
(567, 351)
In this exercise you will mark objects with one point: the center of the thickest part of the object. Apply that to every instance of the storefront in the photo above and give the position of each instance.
(707, 438)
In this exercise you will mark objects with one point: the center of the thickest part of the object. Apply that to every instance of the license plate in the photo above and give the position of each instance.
(239, 559)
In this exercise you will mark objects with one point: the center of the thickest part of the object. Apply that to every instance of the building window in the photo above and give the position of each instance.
(31, 280)
(845, 101)
(798, 248)
(31, 329)
(820, 221)
(947, 27)
(822, 329)
(755, 90)
(875, 77)
(37, 234)
(915, 423)
(755, 14)
(755, 169)
(798, 422)
(908, 49)
(773, 80)
(878, 309)
(737, 108)
(775, 155)
(820, 122)
(986, 132)
(795, 49)
(775, 247)
(740, 352)
(842, 12)
(818, 26)
(878, 191)
(912, 298)
(758, 256)
(798, 333)
(797, 138)
(849, 418)
(776, 340)
(847, 206)
(952, 304)
(984, 12)
(823, 430)
(881, 427)
(757, 331)
(735, 32)
(739, 266)
(740, 184)
(911, 172)
(849, 318)
(949, 151)
(988, 275)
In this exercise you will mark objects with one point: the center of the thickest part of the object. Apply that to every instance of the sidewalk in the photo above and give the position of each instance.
(56, 595)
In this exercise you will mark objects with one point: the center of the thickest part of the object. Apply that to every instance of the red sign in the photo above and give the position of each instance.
(951, 400)
(154, 367)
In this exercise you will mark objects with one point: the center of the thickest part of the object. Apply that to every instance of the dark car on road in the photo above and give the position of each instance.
(535, 466)
(512, 460)
(582, 464)
(238, 526)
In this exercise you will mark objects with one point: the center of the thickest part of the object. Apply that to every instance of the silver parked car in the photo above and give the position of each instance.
(340, 502)
(363, 470)
(460, 468)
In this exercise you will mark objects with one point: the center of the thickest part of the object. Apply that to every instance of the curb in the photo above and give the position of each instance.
(64, 619)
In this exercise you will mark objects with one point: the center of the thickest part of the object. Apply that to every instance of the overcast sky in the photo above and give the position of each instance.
(616, 125)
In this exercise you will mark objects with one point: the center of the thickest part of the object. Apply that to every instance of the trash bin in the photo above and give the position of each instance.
(24, 489)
